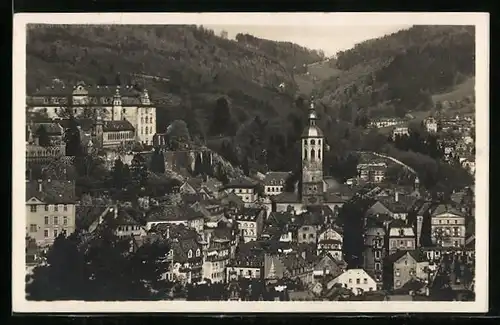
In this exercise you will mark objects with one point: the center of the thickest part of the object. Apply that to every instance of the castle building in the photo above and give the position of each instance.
(111, 103)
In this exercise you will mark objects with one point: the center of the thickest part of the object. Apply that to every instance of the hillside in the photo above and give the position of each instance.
(399, 73)
(180, 65)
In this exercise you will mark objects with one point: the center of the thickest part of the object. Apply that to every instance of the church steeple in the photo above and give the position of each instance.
(312, 160)
(312, 115)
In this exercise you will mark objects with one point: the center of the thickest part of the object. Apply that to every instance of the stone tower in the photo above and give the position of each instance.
(117, 106)
(312, 161)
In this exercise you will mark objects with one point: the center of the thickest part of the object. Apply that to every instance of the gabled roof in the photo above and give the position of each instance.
(116, 126)
(240, 183)
(417, 255)
(279, 219)
(275, 178)
(172, 213)
(331, 197)
(51, 128)
(181, 249)
(51, 191)
(445, 208)
(286, 197)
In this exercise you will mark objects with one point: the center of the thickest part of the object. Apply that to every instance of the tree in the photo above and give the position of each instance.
(61, 277)
(117, 174)
(178, 135)
(72, 139)
(43, 136)
(139, 171)
(222, 120)
(158, 162)
(351, 216)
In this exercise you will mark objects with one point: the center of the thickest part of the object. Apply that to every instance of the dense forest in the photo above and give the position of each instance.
(240, 97)
(399, 73)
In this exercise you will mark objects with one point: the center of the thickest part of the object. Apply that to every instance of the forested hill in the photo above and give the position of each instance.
(294, 57)
(180, 65)
(399, 73)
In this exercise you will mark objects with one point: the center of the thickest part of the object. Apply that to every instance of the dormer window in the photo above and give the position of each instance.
(198, 252)
(171, 253)
(190, 253)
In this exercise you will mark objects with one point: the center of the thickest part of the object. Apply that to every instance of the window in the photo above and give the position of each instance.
(397, 272)
(377, 267)
(56, 220)
(56, 207)
(190, 254)
(398, 283)
(455, 243)
(46, 208)
(46, 220)
(46, 233)
(365, 281)
(358, 281)
(312, 142)
(33, 208)
(377, 254)
(304, 236)
(350, 280)
(55, 233)
(250, 272)
(456, 221)
(198, 252)
(65, 221)
(33, 228)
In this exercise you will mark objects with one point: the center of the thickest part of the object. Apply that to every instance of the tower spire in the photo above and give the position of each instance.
(312, 113)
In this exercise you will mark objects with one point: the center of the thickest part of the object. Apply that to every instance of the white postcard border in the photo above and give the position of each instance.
(481, 22)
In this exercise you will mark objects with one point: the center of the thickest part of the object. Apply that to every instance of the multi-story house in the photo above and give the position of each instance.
(185, 260)
(291, 266)
(447, 226)
(400, 132)
(39, 154)
(250, 223)
(431, 125)
(356, 280)
(175, 215)
(217, 257)
(401, 236)
(50, 210)
(115, 134)
(54, 131)
(385, 122)
(247, 266)
(328, 266)
(330, 241)
(112, 103)
(307, 234)
(372, 172)
(374, 253)
(243, 188)
(404, 266)
(274, 182)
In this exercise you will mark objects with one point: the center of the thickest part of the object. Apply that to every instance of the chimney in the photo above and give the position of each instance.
(40, 185)
(396, 196)
(168, 232)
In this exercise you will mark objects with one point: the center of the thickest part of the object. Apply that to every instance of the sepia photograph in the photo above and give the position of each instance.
(250, 162)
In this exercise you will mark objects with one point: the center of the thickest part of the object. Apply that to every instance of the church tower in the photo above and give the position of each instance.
(117, 113)
(312, 161)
